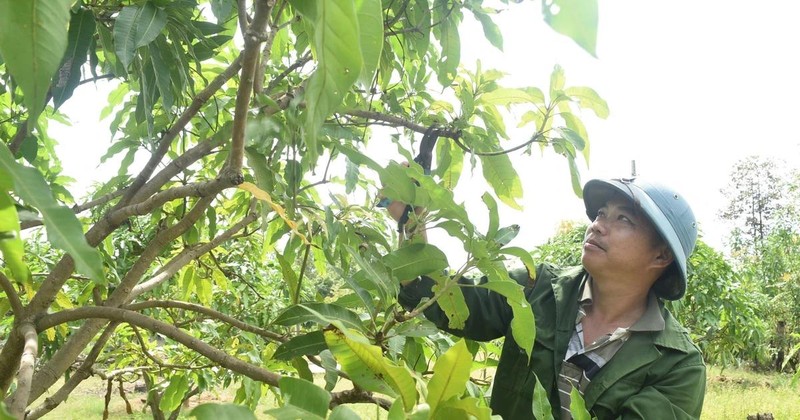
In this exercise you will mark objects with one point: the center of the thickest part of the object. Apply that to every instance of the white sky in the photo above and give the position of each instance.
(693, 86)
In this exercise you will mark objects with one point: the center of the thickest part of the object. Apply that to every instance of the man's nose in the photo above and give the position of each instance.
(597, 225)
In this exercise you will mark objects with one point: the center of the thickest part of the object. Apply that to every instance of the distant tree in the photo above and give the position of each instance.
(756, 197)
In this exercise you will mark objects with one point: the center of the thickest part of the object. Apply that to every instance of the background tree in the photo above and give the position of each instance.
(756, 195)
(249, 244)
(763, 210)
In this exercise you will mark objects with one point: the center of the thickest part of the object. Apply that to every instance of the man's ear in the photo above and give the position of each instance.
(664, 257)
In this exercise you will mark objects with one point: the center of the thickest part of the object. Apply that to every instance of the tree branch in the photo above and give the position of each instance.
(19, 136)
(13, 297)
(80, 374)
(357, 395)
(252, 42)
(199, 189)
(188, 255)
(159, 363)
(166, 140)
(177, 166)
(134, 318)
(277, 79)
(398, 122)
(61, 360)
(18, 401)
(210, 313)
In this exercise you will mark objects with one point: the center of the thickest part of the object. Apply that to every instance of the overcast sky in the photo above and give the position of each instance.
(692, 87)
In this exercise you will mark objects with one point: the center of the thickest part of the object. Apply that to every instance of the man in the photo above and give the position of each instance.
(601, 328)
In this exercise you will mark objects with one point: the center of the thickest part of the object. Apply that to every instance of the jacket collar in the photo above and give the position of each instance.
(642, 348)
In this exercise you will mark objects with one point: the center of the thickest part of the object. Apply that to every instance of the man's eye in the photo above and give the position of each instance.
(624, 218)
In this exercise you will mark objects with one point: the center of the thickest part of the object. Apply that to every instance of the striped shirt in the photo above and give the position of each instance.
(582, 362)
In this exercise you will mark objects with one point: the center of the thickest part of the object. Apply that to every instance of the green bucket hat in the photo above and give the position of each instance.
(667, 210)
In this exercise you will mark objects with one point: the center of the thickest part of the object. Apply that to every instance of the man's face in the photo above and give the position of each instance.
(621, 242)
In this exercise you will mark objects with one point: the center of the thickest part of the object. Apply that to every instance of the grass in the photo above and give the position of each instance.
(731, 394)
(737, 393)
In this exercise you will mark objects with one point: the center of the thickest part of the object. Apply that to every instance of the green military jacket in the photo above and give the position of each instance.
(655, 375)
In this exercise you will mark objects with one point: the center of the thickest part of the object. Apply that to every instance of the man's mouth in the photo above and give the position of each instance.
(594, 243)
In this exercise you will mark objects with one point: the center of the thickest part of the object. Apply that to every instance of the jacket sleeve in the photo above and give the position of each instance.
(489, 314)
(677, 396)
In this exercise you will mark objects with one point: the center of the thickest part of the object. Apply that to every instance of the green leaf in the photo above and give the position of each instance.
(137, 26)
(506, 235)
(541, 404)
(556, 81)
(305, 395)
(342, 412)
(454, 306)
(173, 395)
(464, 408)
(523, 327)
(415, 260)
(494, 218)
(11, 244)
(289, 276)
(33, 38)
(450, 42)
(524, 256)
(577, 406)
(81, 33)
(4, 414)
(588, 98)
(321, 313)
(490, 29)
(351, 176)
(64, 231)
(213, 411)
(301, 345)
(500, 174)
(575, 177)
(161, 70)
(576, 125)
(372, 277)
(508, 96)
(397, 185)
(450, 375)
(576, 19)
(338, 54)
(291, 412)
(370, 32)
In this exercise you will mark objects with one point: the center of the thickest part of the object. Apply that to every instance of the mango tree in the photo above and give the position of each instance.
(247, 244)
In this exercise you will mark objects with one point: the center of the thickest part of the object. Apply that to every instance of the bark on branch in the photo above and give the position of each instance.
(211, 313)
(11, 294)
(252, 44)
(398, 122)
(19, 400)
(84, 371)
(134, 318)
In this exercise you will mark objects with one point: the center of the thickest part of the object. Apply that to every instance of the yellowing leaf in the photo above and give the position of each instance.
(264, 196)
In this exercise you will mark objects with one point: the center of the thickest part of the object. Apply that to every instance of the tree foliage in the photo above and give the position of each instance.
(248, 245)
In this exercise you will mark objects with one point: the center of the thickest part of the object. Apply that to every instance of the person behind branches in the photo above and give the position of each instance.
(601, 327)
